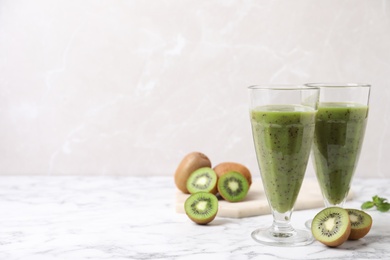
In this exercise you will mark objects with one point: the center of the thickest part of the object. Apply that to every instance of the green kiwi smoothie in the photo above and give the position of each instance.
(338, 139)
(283, 136)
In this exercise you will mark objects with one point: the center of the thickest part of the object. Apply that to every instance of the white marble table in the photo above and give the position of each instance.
(134, 218)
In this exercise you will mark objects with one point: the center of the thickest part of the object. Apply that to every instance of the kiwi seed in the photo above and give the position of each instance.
(201, 207)
(188, 165)
(233, 186)
(361, 223)
(203, 179)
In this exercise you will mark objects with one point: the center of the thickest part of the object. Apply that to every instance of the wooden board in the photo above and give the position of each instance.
(256, 204)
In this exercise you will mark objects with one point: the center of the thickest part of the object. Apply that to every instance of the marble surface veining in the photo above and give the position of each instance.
(134, 218)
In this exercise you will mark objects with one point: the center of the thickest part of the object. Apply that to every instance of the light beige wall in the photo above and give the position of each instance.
(129, 87)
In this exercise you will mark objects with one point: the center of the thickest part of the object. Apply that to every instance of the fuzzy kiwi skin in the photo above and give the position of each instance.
(226, 167)
(341, 239)
(359, 232)
(188, 165)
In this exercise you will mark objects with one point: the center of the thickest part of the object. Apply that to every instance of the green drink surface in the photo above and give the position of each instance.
(338, 139)
(283, 137)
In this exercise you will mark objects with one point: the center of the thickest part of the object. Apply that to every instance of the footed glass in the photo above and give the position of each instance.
(283, 122)
(340, 126)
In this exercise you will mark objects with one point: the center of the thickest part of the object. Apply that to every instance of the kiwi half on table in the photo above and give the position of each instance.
(331, 226)
(361, 223)
(233, 186)
(203, 179)
(201, 207)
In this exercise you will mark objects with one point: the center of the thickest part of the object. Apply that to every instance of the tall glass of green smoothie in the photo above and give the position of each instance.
(340, 125)
(283, 123)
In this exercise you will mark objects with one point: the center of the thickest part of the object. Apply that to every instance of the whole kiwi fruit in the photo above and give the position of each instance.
(226, 167)
(190, 163)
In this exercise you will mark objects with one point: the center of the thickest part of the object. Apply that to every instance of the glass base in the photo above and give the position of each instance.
(294, 237)
(308, 224)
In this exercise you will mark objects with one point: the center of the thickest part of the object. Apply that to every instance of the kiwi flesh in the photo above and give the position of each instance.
(331, 226)
(203, 179)
(188, 165)
(361, 223)
(225, 167)
(233, 186)
(201, 207)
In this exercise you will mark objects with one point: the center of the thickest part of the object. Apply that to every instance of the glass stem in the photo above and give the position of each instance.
(281, 226)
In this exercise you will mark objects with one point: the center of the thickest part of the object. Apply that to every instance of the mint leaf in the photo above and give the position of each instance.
(367, 205)
(378, 200)
(384, 207)
(381, 204)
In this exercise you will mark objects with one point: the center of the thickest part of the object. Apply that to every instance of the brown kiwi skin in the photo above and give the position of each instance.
(188, 165)
(357, 233)
(226, 167)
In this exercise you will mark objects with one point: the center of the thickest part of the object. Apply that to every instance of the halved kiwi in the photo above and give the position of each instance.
(361, 223)
(203, 179)
(331, 226)
(225, 167)
(188, 165)
(233, 186)
(201, 207)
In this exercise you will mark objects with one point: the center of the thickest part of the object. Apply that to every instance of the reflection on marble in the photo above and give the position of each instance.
(134, 218)
(125, 82)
